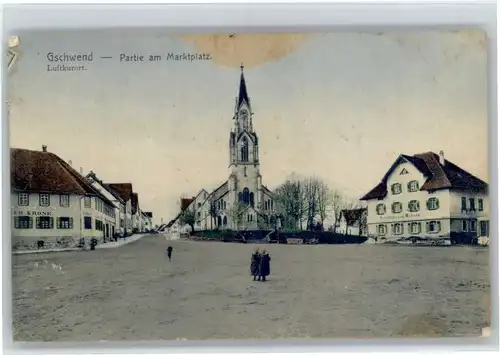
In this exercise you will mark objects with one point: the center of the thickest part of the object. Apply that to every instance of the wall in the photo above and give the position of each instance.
(440, 214)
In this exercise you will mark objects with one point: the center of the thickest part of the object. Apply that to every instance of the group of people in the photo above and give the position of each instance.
(260, 265)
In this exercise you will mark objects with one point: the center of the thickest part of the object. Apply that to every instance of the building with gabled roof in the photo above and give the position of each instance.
(425, 195)
(241, 201)
(124, 191)
(53, 204)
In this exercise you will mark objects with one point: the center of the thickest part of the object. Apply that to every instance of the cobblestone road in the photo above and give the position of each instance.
(134, 293)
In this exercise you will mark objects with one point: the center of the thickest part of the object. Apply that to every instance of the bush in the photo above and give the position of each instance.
(40, 244)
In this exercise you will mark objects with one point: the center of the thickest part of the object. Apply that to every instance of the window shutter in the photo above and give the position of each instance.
(428, 204)
(51, 222)
(30, 222)
(427, 227)
(58, 222)
(71, 222)
(439, 226)
(16, 222)
(437, 203)
(38, 222)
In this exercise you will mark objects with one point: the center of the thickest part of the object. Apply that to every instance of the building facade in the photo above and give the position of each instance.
(241, 202)
(425, 195)
(53, 205)
(124, 191)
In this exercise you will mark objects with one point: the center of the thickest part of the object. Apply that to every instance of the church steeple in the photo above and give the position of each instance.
(243, 94)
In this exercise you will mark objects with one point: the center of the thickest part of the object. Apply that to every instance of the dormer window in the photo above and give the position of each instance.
(396, 188)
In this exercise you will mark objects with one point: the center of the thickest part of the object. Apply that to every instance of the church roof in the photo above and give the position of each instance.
(243, 94)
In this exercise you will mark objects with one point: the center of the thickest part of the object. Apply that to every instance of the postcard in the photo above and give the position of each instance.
(249, 186)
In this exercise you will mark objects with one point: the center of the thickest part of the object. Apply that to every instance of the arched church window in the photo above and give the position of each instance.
(219, 221)
(225, 220)
(244, 149)
(240, 197)
(224, 203)
(251, 199)
(246, 196)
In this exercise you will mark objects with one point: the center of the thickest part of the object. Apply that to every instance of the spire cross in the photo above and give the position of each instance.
(241, 67)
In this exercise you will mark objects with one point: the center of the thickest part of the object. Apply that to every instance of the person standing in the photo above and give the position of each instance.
(255, 264)
(169, 252)
(265, 266)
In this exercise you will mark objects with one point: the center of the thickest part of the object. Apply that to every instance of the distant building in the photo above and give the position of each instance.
(124, 190)
(353, 222)
(426, 195)
(53, 204)
(242, 201)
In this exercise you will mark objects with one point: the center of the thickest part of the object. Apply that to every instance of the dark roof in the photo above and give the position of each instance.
(135, 202)
(36, 171)
(446, 176)
(354, 215)
(243, 94)
(185, 202)
(124, 190)
(93, 176)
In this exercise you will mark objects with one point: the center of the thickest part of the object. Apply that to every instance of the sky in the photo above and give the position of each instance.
(340, 106)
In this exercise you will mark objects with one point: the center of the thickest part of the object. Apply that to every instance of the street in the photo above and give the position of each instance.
(205, 292)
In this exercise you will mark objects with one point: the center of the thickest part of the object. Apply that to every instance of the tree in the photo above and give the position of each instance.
(324, 200)
(339, 203)
(188, 216)
(236, 213)
(310, 197)
(290, 203)
(213, 214)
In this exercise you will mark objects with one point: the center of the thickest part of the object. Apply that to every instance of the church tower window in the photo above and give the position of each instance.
(251, 199)
(246, 196)
(225, 221)
(244, 150)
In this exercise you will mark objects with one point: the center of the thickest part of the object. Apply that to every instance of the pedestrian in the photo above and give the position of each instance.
(265, 266)
(255, 264)
(169, 252)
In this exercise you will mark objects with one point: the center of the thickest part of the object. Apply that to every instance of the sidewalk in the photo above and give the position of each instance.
(120, 242)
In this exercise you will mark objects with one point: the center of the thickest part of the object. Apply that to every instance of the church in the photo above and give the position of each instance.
(242, 202)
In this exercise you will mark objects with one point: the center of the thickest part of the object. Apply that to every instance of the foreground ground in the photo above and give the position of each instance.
(134, 293)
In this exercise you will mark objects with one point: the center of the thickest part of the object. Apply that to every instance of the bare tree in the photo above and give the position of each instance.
(236, 213)
(290, 203)
(325, 200)
(310, 187)
(188, 216)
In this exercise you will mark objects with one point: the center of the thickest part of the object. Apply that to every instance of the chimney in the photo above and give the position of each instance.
(70, 163)
(81, 171)
(441, 157)
(44, 148)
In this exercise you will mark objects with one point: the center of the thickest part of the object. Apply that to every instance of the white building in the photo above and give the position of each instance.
(51, 203)
(242, 201)
(119, 204)
(428, 196)
(353, 222)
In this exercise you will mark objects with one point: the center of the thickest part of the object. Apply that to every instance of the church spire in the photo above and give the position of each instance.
(243, 95)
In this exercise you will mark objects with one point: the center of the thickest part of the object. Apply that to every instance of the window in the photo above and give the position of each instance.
(225, 220)
(219, 220)
(464, 204)
(244, 150)
(473, 226)
(44, 222)
(465, 226)
(99, 225)
(23, 199)
(240, 197)
(483, 226)
(23, 222)
(414, 206)
(381, 229)
(199, 214)
(87, 222)
(472, 203)
(251, 199)
(403, 172)
(397, 207)
(44, 200)
(199, 204)
(432, 204)
(397, 228)
(65, 223)
(433, 226)
(64, 200)
(414, 227)
(87, 203)
(413, 186)
(250, 218)
(396, 188)
(380, 209)
(224, 204)
(246, 196)
(480, 206)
